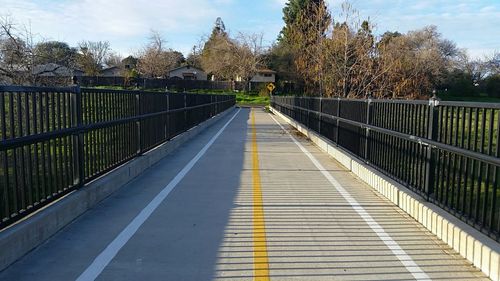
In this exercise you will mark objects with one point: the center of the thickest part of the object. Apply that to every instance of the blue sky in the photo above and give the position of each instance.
(472, 24)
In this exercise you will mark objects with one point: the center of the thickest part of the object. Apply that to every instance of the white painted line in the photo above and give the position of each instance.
(405, 259)
(103, 259)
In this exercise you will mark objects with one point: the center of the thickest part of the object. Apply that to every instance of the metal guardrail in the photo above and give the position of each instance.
(54, 140)
(445, 151)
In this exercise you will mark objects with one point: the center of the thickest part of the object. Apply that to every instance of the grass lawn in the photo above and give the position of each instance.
(251, 100)
(242, 98)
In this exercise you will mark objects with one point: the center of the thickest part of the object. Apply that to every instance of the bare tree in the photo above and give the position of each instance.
(493, 63)
(342, 57)
(229, 58)
(16, 53)
(335, 59)
(92, 56)
(419, 62)
(476, 69)
(154, 60)
(114, 59)
(247, 55)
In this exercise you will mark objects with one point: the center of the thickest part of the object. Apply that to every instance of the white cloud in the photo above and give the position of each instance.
(125, 20)
(471, 24)
(126, 23)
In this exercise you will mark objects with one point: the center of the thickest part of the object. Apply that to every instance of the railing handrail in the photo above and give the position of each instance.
(54, 140)
(13, 143)
(29, 89)
(416, 139)
(448, 152)
(488, 105)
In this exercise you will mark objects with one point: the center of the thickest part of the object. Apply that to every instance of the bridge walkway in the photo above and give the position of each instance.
(245, 200)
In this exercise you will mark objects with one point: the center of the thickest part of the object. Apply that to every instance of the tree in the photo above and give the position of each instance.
(493, 63)
(92, 56)
(20, 58)
(194, 58)
(492, 84)
(55, 52)
(333, 59)
(354, 68)
(281, 56)
(492, 81)
(281, 60)
(227, 58)
(217, 55)
(177, 57)
(155, 60)
(247, 55)
(293, 12)
(305, 38)
(16, 53)
(419, 60)
(114, 59)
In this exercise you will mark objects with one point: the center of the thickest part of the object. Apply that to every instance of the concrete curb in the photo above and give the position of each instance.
(22, 237)
(480, 250)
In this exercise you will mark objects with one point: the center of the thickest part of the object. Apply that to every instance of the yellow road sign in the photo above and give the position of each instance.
(271, 87)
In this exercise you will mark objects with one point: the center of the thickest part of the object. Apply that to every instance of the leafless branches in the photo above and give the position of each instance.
(155, 60)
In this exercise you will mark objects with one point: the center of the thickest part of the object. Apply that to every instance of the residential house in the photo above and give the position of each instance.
(113, 71)
(53, 69)
(262, 76)
(187, 72)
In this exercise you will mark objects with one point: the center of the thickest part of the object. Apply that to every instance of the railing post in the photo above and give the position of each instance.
(338, 122)
(167, 121)
(430, 163)
(320, 114)
(308, 107)
(78, 152)
(186, 126)
(211, 106)
(138, 122)
(367, 130)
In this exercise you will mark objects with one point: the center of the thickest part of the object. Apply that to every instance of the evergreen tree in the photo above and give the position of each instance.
(216, 54)
(299, 44)
(295, 10)
(55, 52)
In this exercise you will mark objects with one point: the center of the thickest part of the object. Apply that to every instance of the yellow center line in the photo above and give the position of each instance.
(260, 260)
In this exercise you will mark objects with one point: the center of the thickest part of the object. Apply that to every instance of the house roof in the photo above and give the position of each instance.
(110, 68)
(54, 69)
(186, 66)
(265, 70)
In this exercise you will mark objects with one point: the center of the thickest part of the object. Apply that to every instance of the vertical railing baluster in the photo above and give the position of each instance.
(185, 127)
(367, 130)
(320, 114)
(5, 209)
(138, 122)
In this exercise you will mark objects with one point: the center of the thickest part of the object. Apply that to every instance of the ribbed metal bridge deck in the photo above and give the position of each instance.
(248, 199)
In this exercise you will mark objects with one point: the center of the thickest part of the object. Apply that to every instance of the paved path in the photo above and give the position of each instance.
(244, 201)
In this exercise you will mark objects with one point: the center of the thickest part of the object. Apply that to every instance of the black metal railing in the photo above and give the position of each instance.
(54, 140)
(445, 151)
